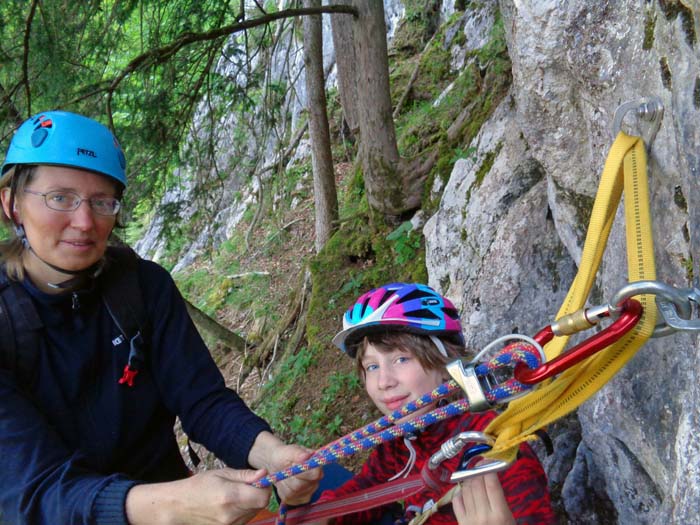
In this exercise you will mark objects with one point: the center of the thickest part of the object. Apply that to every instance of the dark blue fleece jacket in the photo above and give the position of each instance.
(71, 450)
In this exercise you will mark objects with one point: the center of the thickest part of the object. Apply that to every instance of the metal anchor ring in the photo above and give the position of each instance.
(656, 288)
(650, 110)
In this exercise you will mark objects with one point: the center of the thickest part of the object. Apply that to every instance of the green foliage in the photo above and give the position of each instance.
(407, 242)
(420, 22)
(649, 26)
(487, 164)
(689, 267)
(446, 130)
(307, 425)
(280, 408)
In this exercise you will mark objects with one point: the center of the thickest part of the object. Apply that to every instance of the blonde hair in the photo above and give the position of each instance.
(12, 250)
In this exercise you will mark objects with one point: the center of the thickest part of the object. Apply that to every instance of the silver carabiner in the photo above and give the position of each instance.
(673, 320)
(455, 444)
(650, 110)
(492, 466)
(679, 298)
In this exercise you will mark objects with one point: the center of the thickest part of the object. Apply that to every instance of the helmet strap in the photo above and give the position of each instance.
(80, 277)
(440, 346)
(13, 192)
(22, 235)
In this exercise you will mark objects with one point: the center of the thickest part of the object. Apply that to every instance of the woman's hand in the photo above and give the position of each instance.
(481, 501)
(218, 497)
(270, 453)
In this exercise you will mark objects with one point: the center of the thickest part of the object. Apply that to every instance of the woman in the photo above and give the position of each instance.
(83, 441)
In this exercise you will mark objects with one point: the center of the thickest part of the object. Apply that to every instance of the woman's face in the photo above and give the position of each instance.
(72, 240)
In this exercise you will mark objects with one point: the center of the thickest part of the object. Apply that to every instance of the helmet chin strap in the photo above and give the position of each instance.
(80, 277)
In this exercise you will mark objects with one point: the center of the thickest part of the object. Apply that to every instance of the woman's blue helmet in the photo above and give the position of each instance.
(60, 138)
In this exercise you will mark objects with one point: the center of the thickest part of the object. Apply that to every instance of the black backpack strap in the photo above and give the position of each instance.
(20, 330)
(122, 296)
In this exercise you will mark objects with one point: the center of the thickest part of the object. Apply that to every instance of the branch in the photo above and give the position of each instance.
(414, 75)
(211, 326)
(287, 153)
(10, 108)
(161, 54)
(25, 58)
(246, 274)
(295, 312)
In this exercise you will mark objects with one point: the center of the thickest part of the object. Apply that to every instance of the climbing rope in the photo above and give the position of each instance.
(387, 429)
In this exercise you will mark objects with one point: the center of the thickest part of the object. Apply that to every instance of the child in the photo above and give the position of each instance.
(401, 337)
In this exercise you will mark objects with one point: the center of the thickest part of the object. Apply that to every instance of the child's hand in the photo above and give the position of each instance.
(296, 490)
(481, 501)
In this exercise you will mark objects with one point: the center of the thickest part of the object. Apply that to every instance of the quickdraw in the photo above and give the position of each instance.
(631, 312)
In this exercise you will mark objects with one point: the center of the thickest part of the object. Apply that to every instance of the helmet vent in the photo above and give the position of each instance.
(414, 294)
(364, 306)
(422, 314)
(386, 296)
(451, 312)
(39, 136)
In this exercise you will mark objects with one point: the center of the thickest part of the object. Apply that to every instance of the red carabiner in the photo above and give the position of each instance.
(629, 317)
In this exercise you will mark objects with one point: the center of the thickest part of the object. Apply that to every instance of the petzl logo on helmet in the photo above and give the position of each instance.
(86, 153)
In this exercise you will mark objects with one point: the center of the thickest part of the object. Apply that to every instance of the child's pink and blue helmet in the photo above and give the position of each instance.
(407, 307)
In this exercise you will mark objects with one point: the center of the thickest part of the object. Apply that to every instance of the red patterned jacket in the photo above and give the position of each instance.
(524, 483)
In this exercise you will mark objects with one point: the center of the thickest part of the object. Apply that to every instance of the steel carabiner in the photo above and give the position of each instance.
(675, 308)
(482, 443)
(674, 322)
(630, 313)
(455, 444)
(496, 465)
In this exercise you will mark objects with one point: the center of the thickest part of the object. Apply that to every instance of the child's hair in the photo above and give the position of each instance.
(421, 346)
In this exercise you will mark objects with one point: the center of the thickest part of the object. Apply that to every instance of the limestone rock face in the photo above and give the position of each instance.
(507, 238)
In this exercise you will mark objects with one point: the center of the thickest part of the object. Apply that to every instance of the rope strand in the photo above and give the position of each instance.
(381, 430)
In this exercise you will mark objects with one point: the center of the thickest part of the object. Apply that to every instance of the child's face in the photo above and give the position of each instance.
(395, 378)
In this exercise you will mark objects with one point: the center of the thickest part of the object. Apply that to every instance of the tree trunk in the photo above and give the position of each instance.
(325, 197)
(391, 188)
(346, 65)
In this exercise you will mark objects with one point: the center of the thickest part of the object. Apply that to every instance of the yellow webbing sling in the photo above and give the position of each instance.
(625, 167)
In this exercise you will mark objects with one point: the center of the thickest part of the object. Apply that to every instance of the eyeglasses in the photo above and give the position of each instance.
(60, 200)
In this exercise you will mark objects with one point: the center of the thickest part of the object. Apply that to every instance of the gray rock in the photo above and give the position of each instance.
(506, 254)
